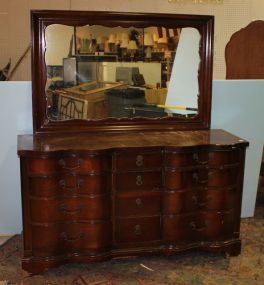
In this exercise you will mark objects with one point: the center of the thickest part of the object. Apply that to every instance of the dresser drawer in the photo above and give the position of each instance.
(137, 160)
(176, 202)
(70, 209)
(67, 184)
(200, 177)
(203, 226)
(210, 158)
(62, 238)
(143, 229)
(138, 204)
(68, 163)
(128, 181)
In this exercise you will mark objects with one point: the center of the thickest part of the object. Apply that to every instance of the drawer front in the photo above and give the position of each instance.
(75, 238)
(143, 229)
(196, 178)
(177, 202)
(131, 181)
(46, 186)
(71, 209)
(133, 161)
(213, 158)
(71, 163)
(138, 204)
(205, 226)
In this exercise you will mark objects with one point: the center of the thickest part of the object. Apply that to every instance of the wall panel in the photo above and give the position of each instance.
(229, 18)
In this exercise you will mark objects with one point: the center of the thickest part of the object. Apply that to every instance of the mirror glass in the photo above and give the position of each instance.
(96, 72)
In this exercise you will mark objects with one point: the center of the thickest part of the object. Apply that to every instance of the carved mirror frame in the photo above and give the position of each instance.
(42, 18)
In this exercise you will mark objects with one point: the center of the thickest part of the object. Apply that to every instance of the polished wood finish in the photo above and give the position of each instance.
(244, 56)
(41, 19)
(91, 197)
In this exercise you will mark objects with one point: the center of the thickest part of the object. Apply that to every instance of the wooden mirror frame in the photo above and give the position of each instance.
(43, 18)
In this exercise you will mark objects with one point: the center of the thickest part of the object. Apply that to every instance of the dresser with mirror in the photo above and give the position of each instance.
(122, 161)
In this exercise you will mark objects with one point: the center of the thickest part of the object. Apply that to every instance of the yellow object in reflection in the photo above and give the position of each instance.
(178, 107)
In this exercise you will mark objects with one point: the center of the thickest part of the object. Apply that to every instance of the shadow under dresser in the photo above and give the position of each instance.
(91, 197)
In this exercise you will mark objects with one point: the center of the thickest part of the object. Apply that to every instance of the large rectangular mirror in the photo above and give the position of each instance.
(101, 71)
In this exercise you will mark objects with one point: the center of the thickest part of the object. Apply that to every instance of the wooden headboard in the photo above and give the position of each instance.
(244, 53)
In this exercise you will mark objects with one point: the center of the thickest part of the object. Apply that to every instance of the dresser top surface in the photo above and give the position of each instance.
(103, 141)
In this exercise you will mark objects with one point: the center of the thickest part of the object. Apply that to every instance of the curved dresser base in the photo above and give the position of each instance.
(36, 265)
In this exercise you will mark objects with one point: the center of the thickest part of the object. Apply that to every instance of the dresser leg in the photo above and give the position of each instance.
(233, 250)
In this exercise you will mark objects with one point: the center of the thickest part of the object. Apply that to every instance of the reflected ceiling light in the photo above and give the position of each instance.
(197, 1)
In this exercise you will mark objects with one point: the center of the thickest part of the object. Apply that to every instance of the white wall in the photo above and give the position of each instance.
(237, 107)
(150, 70)
(230, 17)
(15, 118)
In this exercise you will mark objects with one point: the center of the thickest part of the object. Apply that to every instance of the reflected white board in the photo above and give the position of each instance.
(183, 87)
(55, 37)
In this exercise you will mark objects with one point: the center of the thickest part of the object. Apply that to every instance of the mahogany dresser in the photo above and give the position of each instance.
(158, 182)
(129, 194)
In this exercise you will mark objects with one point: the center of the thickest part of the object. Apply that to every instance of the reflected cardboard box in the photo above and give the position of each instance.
(156, 96)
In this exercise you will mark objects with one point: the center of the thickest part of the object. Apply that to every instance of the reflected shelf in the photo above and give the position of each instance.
(96, 72)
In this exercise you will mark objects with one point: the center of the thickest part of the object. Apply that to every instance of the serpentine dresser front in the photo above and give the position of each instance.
(91, 197)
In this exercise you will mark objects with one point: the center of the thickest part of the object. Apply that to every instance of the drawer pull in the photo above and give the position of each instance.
(62, 184)
(139, 203)
(139, 160)
(196, 178)
(71, 212)
(201, 204)
(137, 230)
(139, 180)
(197, 159)
(65, 237)
(63, 164)
(197, 229)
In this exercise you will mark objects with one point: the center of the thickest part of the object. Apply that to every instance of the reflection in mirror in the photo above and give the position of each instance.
(183, 89)
(96, 72)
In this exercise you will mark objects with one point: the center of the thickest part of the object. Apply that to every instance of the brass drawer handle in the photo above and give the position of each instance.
(139, 180)
(137, 230)
(63, 164)
(65, 237)
(201, 204)
(139, 203)
(71, 212)
(197, 159)
(139, 160)
(62, 184)
(196, 178)
(194, 227)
